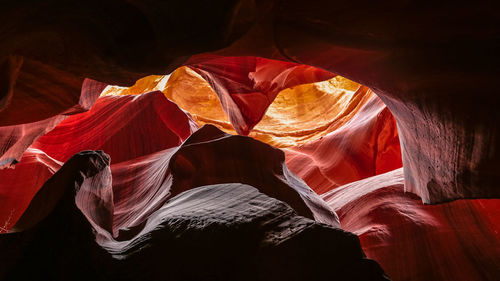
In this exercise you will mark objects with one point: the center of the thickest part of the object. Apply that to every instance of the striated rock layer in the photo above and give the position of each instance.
(273, 101)
(124, 202)
(246, 86)
(334, 132)
(115, 124)
(19, 129)
(459, 240)
(18, 186)
(209, 156)
(196, 235)
(126, 127)
(364, 144)
(433, 75)
(432, 64)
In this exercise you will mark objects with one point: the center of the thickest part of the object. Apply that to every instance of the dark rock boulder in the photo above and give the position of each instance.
(217, 232)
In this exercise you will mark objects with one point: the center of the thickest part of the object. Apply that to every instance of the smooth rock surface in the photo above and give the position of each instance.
(196, 235)
(44, 105)
(246, 86)
(126, 127)
(459, 240)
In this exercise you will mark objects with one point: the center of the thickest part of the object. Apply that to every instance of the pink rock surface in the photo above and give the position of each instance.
(125, 127)
(19, 185)
(154, 122)
(246, 86)
(459, 240)
(434, 75)
(20, 128)
(142, 135)
(367, 145)
(141, 186)
(432, 64)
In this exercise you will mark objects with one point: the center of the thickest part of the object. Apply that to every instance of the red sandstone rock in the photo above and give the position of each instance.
(424, 66)
(125, 127)
(413, 241)
(246, 86)
(431, 74)
(432, 64)
(209, 156)
(364, 146)
(20, 128)
(150, 124)
(197, 235)
(19, 185)
(154, 122)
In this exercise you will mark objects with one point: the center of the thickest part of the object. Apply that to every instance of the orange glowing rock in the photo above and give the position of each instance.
(297, 115)
(333, 132)
(188, 90)
(126, 127)
(246, 86)
(233, 93)
(147, 84)
(367, 144)
(307, 112)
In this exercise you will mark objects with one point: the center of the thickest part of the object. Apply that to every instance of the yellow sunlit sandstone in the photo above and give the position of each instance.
(298, 115)
(141, 86)
(192, 93)
(310, 111)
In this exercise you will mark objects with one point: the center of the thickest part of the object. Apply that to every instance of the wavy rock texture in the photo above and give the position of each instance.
(19, 185)
(213, 221)
(304, 113)
(296, 115)
(432, 64)
(17, 138)
(425, 77)
(123, 202)
(109, 126)
(209, 156)
(413, 241)
(125, 127)
(427, 68)
(45, 104)
(367, 144)
(246, 86)
(140, 186)
(334, 132)
(201, 229)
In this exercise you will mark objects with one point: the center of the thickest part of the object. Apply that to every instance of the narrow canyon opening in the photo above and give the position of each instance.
(326, 146)
(254, 158)
(333, 131)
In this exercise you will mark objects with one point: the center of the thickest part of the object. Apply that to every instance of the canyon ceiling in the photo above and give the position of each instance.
(365, 132)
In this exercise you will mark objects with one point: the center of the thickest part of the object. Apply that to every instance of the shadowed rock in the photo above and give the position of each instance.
(218, 232)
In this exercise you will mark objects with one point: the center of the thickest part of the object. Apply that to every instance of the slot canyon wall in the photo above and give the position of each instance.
(258, 101)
